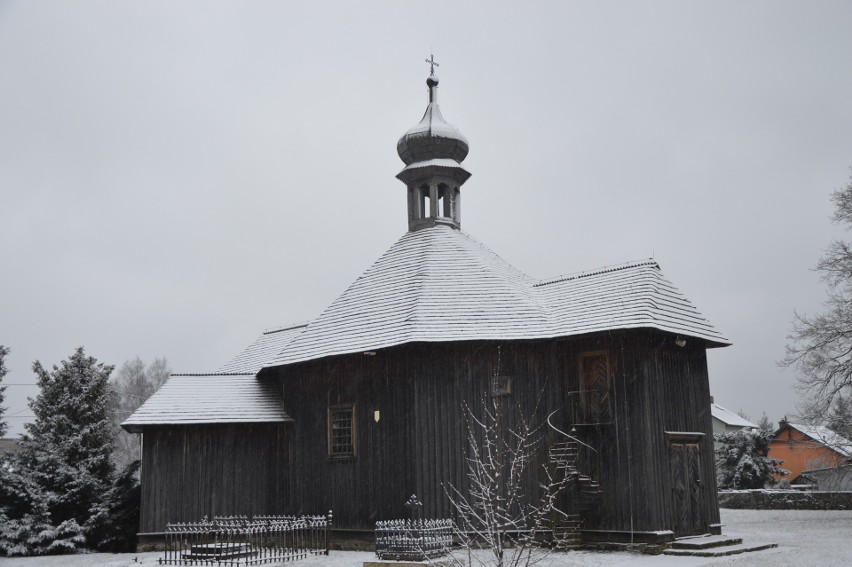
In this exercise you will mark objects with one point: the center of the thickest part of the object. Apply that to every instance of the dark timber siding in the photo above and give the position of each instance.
(419, 442)
(192, 471)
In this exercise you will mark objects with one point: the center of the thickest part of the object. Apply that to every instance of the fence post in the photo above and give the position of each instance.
(328, 524)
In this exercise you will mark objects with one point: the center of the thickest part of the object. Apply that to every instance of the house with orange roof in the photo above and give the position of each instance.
(804, 447)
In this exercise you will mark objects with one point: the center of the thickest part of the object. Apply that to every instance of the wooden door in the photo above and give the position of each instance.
(688, 488)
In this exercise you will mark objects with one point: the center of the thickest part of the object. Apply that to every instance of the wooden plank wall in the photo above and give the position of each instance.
(192, 471)
(419, 442)
(657, 387)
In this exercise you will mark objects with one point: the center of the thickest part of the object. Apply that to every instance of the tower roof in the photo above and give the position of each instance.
(433, 138)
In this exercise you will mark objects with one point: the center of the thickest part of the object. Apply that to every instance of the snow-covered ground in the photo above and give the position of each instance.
(804, 538)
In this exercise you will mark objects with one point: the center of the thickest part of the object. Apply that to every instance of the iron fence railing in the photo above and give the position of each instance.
(413, 539)
(238, 540)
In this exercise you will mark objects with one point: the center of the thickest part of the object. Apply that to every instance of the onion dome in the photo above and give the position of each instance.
(434, 137)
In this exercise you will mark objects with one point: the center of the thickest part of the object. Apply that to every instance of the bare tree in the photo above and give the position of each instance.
(766, 424)
(131, 386)
(840, 416)
(820, 346)
(499, 512)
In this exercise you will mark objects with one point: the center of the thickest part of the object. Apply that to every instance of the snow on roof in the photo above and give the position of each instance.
(728, 417)
(440, 284)
(210, 398)
(270, 343)
(630, 296)
(827, 437)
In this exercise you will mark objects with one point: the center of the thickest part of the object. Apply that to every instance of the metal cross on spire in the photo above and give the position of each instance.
(432, 64)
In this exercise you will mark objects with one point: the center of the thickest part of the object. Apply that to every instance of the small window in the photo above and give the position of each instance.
(501, 385)
(341, 431)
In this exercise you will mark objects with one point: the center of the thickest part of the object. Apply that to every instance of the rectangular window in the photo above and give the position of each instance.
(595, 387)
(501, 385)
(341, 431)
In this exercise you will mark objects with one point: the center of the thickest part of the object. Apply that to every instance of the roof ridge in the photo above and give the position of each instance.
(212, 374)
(524, 284)
(419, 277)
(271, 330)
(598, 271)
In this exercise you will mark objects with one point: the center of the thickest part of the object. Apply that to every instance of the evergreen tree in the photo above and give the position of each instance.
(10, 491)
(742, 461)
(67, 450)
(4, 427)
(114, 523)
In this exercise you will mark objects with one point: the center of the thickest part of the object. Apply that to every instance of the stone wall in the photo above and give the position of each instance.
(785, 500)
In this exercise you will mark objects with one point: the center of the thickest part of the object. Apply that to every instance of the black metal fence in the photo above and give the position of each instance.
(414, 539)
(238, 540)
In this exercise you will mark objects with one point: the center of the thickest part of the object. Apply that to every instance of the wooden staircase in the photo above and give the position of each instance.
(566, 531)
(584, 490)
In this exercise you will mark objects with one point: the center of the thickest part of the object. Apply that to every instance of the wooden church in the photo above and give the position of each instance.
(361, 407)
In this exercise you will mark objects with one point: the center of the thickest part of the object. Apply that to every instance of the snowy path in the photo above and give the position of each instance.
(805, 538)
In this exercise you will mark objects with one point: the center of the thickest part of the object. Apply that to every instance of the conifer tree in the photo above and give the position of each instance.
(3, 425)
(742, 461)
(66, 452)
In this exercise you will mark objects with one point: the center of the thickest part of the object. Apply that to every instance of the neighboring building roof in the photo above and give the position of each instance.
(439, 284)
(269, 344)
(825, 436)
(210, 398)
(728, 417)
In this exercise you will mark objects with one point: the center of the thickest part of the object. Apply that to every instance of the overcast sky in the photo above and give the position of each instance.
(177, 177)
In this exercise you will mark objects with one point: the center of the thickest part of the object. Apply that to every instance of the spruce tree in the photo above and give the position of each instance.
(742, 461)
(66, 451)
(4, 427)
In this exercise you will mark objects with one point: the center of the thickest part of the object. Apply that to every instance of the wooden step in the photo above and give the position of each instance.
(721, 551)
(566, 531)
(705, 541)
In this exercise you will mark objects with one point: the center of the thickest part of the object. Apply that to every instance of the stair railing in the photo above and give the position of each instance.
(597, 454)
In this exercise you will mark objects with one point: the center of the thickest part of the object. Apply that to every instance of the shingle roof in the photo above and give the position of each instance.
(270, 343)
(440, 284)
(630, 296)
(827, 437)
(730, 418)
(210, 398)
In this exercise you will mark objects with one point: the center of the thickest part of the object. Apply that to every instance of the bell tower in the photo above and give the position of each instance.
(432, 152)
